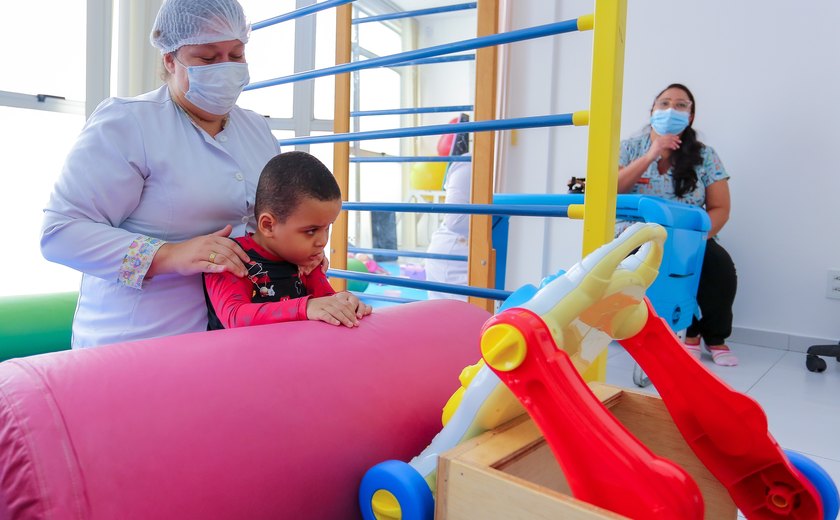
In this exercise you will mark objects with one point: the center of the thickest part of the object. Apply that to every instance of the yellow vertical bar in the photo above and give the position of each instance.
(604, 130)
(482, 256)
(604, 123)
(341, 124)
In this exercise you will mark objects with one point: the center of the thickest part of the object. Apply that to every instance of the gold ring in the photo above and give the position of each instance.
(212, 258)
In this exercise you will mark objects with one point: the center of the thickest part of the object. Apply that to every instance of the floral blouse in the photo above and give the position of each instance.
(662, 184)
(658, 184)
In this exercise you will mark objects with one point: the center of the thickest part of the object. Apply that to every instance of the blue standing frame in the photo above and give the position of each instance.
(673, 294)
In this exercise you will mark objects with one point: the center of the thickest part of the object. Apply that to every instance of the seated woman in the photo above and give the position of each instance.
(668, 161)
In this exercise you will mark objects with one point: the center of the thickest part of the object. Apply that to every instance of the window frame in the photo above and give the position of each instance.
(98, 34)
(406, 29)
(303, 121)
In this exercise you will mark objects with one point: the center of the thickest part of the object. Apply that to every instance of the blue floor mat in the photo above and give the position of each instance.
(374, 289)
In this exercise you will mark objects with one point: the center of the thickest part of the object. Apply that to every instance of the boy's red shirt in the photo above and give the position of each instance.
(238, 302)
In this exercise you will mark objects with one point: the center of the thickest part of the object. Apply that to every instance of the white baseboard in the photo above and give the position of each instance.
(777, 340)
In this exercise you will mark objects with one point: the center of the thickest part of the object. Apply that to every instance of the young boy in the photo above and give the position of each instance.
(296, 203)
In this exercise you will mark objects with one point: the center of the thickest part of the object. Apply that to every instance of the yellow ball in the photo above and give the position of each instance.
(428, 176)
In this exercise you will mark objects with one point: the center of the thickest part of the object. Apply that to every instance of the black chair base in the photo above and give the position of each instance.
(814, 362)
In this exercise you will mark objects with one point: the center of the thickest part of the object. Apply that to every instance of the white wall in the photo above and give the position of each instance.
(541, 160)
(766, 81)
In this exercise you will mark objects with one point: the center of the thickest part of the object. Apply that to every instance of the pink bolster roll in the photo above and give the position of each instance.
(276, 421)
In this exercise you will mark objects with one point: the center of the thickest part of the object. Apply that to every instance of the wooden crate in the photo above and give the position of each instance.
(510, 472)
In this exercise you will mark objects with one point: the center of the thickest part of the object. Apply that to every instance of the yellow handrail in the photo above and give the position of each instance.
(603, 146)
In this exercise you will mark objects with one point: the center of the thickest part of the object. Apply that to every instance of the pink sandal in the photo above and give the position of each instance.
(722, 356)
(692, 345)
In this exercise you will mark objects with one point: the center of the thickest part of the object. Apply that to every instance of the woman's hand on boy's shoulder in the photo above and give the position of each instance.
(213, 253)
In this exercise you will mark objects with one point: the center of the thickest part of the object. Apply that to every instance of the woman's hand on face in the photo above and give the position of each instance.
(213, 253)
(662, 143)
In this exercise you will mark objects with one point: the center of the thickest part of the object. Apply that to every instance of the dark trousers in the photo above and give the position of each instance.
(715, 295)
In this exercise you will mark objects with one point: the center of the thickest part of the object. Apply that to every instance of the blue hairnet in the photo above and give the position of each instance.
(196, 22)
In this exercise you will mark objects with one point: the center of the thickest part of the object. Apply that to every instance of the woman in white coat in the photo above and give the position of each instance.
(451, 237)
(155, 184)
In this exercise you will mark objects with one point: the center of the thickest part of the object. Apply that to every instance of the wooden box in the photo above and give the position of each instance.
(510, 472)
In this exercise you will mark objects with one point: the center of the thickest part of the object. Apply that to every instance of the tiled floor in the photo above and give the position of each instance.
(802, 407)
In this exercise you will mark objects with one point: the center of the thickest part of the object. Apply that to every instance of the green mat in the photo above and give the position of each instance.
(35, 324)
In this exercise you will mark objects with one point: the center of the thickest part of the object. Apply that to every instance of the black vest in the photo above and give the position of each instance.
(276, 281)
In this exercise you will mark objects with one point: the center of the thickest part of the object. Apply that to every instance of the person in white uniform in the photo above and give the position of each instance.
(451, 236)
(155, 184)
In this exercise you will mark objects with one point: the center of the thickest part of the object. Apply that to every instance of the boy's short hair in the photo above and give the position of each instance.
(290, 177)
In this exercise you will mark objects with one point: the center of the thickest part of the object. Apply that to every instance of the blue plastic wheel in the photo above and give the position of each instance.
(395, 490)
(821, 480)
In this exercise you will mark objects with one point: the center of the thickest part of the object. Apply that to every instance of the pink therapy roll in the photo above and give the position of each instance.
(276, 422)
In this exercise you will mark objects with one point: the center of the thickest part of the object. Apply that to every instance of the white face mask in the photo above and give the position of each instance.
(215, 88)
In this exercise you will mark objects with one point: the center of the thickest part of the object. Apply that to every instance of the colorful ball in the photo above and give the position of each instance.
(359, 267)
(444, 144)
(428, 176)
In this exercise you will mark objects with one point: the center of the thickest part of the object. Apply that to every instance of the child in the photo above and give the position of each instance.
(296, 203)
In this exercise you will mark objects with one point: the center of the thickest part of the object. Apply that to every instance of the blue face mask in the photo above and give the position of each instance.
(669, 121)
(215, 88)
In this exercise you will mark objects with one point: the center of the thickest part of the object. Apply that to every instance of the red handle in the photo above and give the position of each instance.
(726, 429)
(604, 463)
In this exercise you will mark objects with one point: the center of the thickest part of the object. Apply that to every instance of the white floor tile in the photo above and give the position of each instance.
(790, 377)
(614, 349)
(753, 364)
(618, 357)
(802, 407)
(620, 373)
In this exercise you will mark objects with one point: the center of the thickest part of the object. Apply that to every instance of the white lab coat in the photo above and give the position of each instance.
(451, 237)
(141, 168)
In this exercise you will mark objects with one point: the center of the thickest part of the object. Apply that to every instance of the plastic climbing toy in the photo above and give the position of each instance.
(596, 300)
(540, 344)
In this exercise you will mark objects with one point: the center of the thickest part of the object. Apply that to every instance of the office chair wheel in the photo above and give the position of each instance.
(821, 480)
(640, 378)
(394, 489)
(815, 363)
(815, 353)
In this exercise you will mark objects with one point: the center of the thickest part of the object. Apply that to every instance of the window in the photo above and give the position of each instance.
(324, 109)
(39, 130)
(37, 134)
(51, 58)
(307, 107)
(270, 54)
(376, 89)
